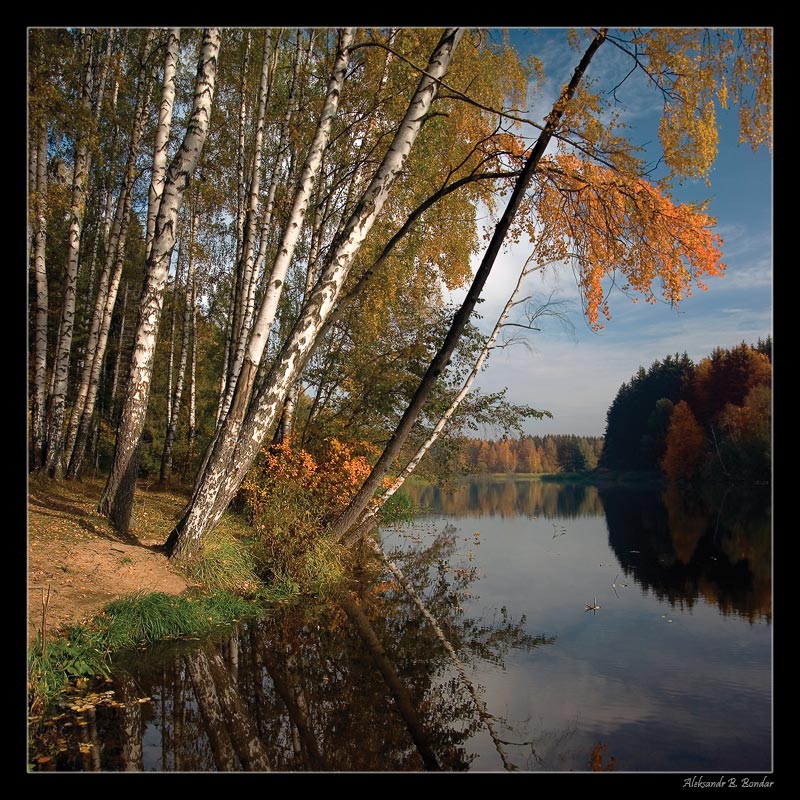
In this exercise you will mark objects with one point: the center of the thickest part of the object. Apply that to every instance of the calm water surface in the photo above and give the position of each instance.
(669, 671)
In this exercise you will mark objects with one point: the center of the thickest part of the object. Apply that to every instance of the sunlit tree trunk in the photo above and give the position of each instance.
(245, 267)
(105, 63)
(183, 164)
(247, 360)
(173, 324)
(158, 177)
(244, 363)
(228, 466)
(439, 363)
(39, 155)
(191, 432)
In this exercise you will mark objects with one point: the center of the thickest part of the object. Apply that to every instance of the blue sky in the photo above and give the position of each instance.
(575, 374)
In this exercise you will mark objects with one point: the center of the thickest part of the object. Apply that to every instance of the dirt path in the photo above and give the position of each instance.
(74, 552)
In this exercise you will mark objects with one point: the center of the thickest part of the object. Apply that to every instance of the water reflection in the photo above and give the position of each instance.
(365, 684)
(680, 546)
(362, 684)
(684, 547)
(509, 497)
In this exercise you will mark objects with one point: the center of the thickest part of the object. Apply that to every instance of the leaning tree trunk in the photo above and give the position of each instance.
(355, 509)
(58, 394)
(243, 369)
(247, 359)
(40, 274)
(226, 469)
(183, 164)
(367, 520)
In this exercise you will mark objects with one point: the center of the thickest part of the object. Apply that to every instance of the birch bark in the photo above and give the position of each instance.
(40, 275)
(58, 395)
(108, 287)
(226, 469)
(178, 175)
(172, 424)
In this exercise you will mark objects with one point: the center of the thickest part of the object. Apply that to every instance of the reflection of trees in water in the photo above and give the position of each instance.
(688, 546)
(359, 685)
(510, 497)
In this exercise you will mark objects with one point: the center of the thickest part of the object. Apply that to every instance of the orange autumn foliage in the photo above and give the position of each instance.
(285, 477)
(621, 230)
(686, 444)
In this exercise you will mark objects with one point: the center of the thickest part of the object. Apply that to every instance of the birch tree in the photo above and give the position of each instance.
(158, 261)
(359, 503)
(60, 375)
(227, 467)
(84, 404)
(633, 241)
(39, 160)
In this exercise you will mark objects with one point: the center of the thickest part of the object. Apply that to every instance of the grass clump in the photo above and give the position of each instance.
(84, 651)
(226, 563)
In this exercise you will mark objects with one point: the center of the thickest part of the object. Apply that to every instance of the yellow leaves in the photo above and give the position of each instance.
(697, 68)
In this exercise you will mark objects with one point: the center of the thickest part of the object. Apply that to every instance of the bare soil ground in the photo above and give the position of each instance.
(75, 553)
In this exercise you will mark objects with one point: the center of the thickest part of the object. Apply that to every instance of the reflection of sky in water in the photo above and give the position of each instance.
(666, 688)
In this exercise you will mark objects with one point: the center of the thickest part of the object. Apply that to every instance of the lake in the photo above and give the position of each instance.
(579, 628)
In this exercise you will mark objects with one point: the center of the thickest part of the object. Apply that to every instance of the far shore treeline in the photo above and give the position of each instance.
(710, 421)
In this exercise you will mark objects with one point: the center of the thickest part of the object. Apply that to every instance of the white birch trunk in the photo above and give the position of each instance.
(240, 187)
(241, 318)
(162, 134)
(40, 274)
(240, 387)
(83, 406)
(192, 426)
(83, 410)
(183, 164)
(251, 355)
(225, 470)
(57, 400)
(173, 323)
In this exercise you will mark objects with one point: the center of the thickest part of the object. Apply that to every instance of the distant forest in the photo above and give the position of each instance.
(709, 421)
(533, 454)
(692, 422)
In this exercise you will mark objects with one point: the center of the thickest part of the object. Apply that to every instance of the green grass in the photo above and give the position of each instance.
(232, 590)
(84, 651)
(225, 564)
